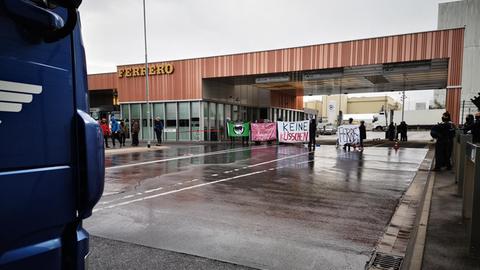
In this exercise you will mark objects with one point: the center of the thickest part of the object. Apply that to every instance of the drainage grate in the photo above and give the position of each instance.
(385, 262)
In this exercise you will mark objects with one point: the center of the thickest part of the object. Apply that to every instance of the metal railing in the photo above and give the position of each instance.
(469, 156)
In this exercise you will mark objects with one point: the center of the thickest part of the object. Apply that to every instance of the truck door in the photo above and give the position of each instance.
(51, 153)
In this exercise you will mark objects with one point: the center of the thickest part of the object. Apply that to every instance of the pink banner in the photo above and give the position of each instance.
(262, 132)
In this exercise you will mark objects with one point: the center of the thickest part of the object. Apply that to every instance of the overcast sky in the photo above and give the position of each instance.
(178, 29)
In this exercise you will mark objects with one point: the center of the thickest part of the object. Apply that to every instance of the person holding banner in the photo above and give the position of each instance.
(312, 129)
(347, 145)
(363, 133)
(239, 129)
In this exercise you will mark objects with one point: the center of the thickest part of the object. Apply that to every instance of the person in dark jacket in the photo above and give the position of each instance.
(469, 123)
(312, 130)
(476, 129)
(135, 131)
(158, 127)
(391, 132)
(402, 129)
(123, 133)
(444, 133)
(363, 133)
(348, 145)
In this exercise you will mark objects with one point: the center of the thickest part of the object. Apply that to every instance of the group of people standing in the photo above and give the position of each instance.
(363, 135)
(118, 131)
(393, 131)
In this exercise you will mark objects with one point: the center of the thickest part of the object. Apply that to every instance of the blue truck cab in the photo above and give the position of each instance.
(51, 150)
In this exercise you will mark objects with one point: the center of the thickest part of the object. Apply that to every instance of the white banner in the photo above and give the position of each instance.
(348, 134)
(293, 132)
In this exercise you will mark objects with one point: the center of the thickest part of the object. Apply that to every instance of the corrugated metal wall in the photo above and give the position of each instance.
(186, 81)
(102, 81)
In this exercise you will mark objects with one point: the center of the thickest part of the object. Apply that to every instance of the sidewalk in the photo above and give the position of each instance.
(142, 147)
(446, 243)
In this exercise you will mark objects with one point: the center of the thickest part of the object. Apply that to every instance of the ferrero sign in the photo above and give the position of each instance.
(160, 69)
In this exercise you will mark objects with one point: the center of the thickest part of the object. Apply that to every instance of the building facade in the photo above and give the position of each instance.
(195, 97)
(465, 14)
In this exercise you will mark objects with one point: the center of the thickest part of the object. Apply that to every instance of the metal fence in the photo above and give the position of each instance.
(467, 175)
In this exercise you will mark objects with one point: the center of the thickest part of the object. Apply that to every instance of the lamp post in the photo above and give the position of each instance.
(403, 97)
(147, 94)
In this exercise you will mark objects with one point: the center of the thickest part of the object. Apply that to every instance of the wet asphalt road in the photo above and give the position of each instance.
(268, 207)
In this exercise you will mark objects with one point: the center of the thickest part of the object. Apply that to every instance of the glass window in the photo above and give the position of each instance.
(184, 121)
(234, 113)
(171, 123)
(135, 114)
(205, 121)
(195, 121)
(221, 122)
(158, 111)
(228, 111)
(126, 118)
(212, 123)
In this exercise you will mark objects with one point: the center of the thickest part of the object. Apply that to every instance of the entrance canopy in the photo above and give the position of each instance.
(415, 75)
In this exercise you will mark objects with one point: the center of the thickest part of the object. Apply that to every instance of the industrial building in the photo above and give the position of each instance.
(194, 97)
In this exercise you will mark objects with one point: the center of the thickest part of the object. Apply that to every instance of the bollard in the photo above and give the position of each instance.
(471, 197)
(459, 148)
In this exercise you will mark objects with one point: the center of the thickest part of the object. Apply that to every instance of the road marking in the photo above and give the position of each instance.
(199, 185)
(178, 190)
(110, 193)
(152, 190)
(128, 196)
(183, 157)
(215, 174)
(266, 162)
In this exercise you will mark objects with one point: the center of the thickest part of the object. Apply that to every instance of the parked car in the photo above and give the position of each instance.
(326, 129)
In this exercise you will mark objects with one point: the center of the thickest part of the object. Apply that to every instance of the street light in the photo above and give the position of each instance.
(403, 97)
(149, 133)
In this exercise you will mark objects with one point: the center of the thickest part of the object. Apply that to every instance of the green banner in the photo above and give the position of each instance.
(238, 129)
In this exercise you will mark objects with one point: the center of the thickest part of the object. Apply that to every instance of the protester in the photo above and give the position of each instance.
(348, 145)
(245, 139)
(158, 127)
(105, 131)
(115, 129)
(444, 133)
(402, 129)
(391, 132)
(476, 129)
(135, 131)
(363, 133)
(312, 133)
(123, 133)
(469, 123)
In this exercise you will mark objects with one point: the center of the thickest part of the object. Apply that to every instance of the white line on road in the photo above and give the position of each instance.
(178, 190)
(215, 174)
(266, 162)
(183, 157)
(153, 190)
(199, 185)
